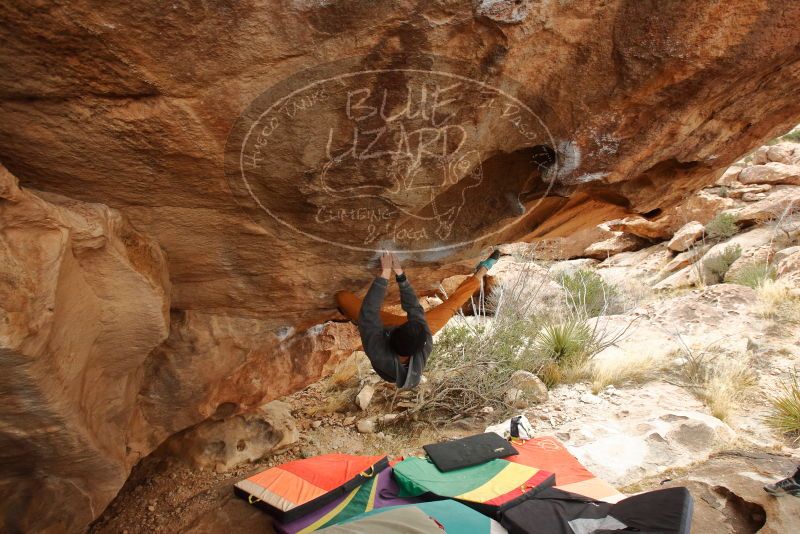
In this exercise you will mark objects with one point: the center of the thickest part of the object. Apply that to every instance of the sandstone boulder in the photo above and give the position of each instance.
(789, 264)
(701, 207)
(730, 176)
(224, 365)
(701, 318)
(759, 156)
(746, 243)
(780, 200)
(753, 197)
(531, 386)
(784, 253)
(771, 173)
(630, 270)
(786, 152)
(743, 191)
(643, 260)
(685, 258)
(639, 226)
(117, 105)
(686, 236)
(686, 277)
(622, 449)
(227, 443)
(788, 270)
(620, 242)
(84, 299)
(729, 497)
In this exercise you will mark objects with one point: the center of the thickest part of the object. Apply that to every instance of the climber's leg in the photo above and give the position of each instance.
(438, 316)
(350, 306)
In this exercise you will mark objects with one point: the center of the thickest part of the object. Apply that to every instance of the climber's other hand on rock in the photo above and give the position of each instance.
(398, 269)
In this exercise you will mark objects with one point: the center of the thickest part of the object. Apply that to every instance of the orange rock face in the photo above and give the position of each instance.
(131, 105)
(253, 156)
(91, 381)
(84, 298)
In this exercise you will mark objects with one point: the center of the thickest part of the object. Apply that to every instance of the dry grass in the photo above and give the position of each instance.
(721, 379)
(728, 385)
(776, 302)
(630, 369)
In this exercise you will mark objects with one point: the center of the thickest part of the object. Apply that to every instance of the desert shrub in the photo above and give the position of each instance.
(588, 294)
(716, 266)
(530, 328)
(471, 366)
(722, 226)
(754, 275)
(785, 416)
(529, 291)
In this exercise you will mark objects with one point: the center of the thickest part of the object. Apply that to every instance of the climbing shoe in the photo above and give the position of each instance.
(787, 486)
(490, 261)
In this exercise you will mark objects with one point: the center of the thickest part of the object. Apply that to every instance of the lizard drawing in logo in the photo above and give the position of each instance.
(425, 175)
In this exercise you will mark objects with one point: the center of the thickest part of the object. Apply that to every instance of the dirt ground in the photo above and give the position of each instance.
(164, 495)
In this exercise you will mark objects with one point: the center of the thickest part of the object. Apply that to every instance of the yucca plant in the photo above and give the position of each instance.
(567, 343)
(785, 416)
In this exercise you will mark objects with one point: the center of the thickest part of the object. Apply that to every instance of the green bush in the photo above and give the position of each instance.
(722, 226)
(588, 294)
(785, 416)
(471, 366)
(717, 265)
(754, 275)
(791, 136)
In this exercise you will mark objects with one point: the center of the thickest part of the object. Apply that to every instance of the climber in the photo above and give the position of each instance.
(398, 347)
(787, 486)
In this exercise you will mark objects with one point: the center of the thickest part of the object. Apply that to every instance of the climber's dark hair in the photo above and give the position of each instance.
(408, 338)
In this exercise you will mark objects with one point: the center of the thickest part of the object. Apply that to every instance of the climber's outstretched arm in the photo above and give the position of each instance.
(408, 298)
(370, 325)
